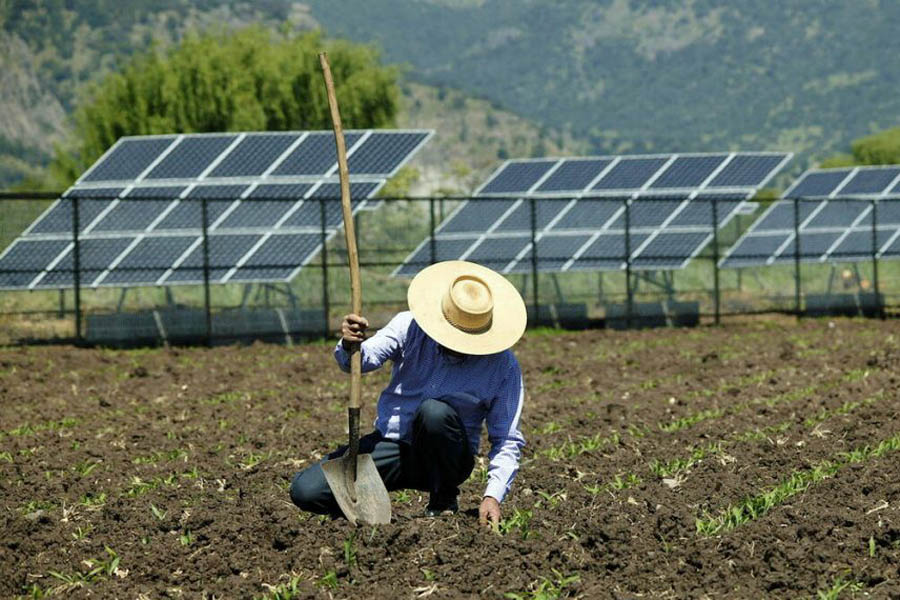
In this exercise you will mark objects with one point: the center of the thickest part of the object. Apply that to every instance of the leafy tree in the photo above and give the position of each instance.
(250, 79)
(882, 148)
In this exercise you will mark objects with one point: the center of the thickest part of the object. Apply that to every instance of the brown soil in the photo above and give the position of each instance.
(178, 461)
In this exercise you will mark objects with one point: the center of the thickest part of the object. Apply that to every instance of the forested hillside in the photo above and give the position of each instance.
(609, 76)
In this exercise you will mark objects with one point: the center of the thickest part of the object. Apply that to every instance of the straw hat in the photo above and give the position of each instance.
(466, 307)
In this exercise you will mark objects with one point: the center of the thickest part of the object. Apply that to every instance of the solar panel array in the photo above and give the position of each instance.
(834, 217)
(581, 211)
(140, 208)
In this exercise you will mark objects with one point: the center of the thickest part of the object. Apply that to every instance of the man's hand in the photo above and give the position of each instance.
(489, 512)
(353, 330)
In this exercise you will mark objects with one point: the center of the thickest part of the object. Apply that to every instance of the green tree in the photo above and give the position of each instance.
(249, 79)
(882, 148)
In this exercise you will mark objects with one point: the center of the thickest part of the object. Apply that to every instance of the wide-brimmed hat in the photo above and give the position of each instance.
(467, 308)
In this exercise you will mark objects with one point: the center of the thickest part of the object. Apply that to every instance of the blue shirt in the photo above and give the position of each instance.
(482, 389)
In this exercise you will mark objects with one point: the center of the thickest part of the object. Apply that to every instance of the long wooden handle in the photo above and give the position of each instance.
(353, 258)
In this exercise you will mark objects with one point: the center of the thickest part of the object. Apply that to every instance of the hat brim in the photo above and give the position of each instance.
(508, 318)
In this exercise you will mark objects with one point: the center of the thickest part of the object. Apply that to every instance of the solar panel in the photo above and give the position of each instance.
(140, 208)
(834, 218)
(581, 206)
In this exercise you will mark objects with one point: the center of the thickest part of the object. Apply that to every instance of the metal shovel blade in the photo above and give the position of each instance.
(370, 504)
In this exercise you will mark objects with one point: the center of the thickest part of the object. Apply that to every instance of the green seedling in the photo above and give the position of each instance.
(838, 587)
(401, 497)
(520, 520)
(91, 500)
(546, 588)
(871, 546)
(81, 533)
(550, 427)
(186, 538)
(594, 489)
(6, 456)
(621, 483)
(98, 569)
(350, 551)
(84, 468)
(553, 500)
(159, 514)
(283, 591)
(328, 580)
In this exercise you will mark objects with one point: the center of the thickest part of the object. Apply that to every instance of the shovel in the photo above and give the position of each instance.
(353, 478)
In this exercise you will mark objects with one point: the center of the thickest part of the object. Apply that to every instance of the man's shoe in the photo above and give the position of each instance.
(440, 507)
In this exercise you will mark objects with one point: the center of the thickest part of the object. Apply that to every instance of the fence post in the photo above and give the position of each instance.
(431, 225)
(534, 260)
(206, 308)
(879, 306)
(715, 230)
(324, 254)
(76, 273)
(797, 257)
(629, 298)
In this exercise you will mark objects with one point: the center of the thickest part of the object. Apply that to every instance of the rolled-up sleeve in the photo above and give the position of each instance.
(504, 435)
(385, 345)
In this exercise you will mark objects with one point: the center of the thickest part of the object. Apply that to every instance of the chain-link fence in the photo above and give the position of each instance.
(149, 270)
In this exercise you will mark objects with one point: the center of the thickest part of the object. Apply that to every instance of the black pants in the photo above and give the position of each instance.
(437, 461)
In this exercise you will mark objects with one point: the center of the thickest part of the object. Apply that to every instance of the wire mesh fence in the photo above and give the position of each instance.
(149, 270)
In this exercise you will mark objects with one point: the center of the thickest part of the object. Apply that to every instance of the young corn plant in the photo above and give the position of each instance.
(282, 591)
(520, 520)
(546, 588)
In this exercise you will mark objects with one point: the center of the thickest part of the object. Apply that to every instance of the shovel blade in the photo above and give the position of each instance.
(367, 499)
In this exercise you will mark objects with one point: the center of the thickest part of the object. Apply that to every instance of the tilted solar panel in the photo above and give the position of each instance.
(140, 208)
(835, 209)
(581, 206)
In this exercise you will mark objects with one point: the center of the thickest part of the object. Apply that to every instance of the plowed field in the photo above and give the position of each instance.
(747, 461)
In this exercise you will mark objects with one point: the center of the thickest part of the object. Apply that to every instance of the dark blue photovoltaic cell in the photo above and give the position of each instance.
(496, 253)
(191, 157)
(476, 216)
(278, 257)
(545, 209)
(149, 259)
(316, 155)
(28, 258)
(256, 213)
(815, 185)
(607, 252)
(647, 213)
(781, 216)
(812, 246)
(129, 159)
(699, 213)
(630, 174)
(553, 251)
(253, 155)
(187, 214)
(573, 175)
(870, 181)
(888, 212)
(755, 249)
(131, 215)
(96, 255)
(59, 218)
(383, 152)
(837, 214)
(858, 245)
(516, 177)
(893, 249)
(589, 213)
(669, 249)
(443, 250)
(746, 171)
(688, 171)
(224, 252)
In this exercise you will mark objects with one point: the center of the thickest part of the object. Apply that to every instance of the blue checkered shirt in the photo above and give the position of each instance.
(482, 389)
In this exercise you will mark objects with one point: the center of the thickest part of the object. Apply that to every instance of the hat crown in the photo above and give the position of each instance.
(468, 304)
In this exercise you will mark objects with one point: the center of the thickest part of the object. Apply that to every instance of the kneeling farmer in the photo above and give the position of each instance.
(452, 371)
